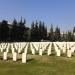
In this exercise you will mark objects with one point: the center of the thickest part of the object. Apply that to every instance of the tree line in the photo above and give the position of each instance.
(18, 32)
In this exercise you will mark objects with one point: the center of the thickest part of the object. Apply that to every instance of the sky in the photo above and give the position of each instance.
(60, 13)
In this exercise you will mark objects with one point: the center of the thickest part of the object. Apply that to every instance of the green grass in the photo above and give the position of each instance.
(38, 65)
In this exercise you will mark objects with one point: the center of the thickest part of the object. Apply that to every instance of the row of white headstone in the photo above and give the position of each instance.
(18, 47)
(64, 47)
(60, 48)
(40, 46)
(15, 56)
(15, 49)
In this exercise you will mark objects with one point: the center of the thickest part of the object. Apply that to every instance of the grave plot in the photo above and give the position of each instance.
(21, 49)
(67, 48)
(70, 48)
(14, 49)
(57, 50)
(49, 49)
(32, 48)
(39, 47)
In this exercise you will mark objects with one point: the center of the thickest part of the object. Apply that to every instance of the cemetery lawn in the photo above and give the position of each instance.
(39, 65)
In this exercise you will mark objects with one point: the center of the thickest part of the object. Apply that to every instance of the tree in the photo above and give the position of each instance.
(38, 31)
(14, 29)
(74, 30)
(41, 30)
(57, 34)
(35, 32)
(51, 34)
(70, 36)
(21, 30)
(44, 31)
(63, 37)
(32, 31)
(4, 31)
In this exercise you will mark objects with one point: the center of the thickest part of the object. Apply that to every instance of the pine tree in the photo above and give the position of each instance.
(70, 36)
(51, 34)
(74, 30)
(57, 34)
(4, 31)
(14, 30)
(32, 31)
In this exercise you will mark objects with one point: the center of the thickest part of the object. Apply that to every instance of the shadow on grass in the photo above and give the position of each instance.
(8, 58)
(1, 58)
(30, 60)
(63, 55)
(53, 54)
(18, 60)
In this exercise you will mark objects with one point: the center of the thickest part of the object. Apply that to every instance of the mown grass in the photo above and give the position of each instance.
(38, 65)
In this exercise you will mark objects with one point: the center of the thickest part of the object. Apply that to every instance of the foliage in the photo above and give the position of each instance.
(18, 31)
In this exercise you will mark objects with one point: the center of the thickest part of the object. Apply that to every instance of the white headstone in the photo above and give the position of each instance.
(24, 55)
(68, 53)
(4, 55)
(1, 49)
(49, 50)
(14, 56)
(40, 51)
(32, 49)
(58, 52)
